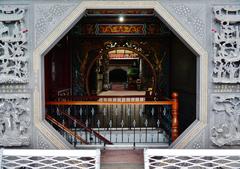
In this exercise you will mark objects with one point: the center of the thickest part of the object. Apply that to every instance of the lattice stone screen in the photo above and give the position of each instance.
(50, 159)
(191, 159)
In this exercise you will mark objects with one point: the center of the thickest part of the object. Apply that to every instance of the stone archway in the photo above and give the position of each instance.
(68, 22)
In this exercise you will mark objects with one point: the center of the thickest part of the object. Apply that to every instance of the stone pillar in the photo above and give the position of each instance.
(99, 82)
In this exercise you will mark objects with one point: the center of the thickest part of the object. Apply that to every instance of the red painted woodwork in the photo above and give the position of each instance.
(60, 55)
(175, 122)
(82, 125)
(66, 129)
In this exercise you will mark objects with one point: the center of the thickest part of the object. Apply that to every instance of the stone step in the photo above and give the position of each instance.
(122, 159)
(122, 166)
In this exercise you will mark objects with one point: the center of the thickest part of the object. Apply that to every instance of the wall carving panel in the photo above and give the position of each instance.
(13, 45)
(15, 120)
(226, 125)
(226, 56)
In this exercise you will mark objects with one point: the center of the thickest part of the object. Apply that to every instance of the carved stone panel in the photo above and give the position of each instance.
(226, 56)
(198, 142)
(191, 16)
(226, 125)
(223, 88)
(14, 120)
(47, 16)
(1, 153)
(42, 143)
(13, 45)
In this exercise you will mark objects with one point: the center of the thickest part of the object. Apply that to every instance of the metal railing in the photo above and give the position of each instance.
(52, 159)
(209, 159)
(115, 120)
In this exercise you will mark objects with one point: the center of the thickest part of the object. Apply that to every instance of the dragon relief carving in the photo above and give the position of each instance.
(14, 120)
(226, 56)
(13, 46)
(227, 130)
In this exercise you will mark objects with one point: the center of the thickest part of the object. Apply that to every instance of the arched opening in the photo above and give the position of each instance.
(117, 76)
(141, 75)
(118, 79)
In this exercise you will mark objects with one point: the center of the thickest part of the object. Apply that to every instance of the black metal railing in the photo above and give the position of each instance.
(114, 119)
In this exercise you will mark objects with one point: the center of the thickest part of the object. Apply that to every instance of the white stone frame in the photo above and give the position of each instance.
(202, 57)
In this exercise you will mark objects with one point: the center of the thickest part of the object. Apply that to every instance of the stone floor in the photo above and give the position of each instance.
(122, 159)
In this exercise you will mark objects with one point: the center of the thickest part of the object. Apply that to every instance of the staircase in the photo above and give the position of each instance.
(78, 123)
(122, 159)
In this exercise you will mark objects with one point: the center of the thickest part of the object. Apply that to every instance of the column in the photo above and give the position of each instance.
(140, 68)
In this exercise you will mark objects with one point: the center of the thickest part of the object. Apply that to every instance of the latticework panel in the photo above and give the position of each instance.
(192, 159)
(50, 159)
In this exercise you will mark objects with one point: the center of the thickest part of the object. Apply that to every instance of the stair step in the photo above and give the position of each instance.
(122, 166)
(122, 159)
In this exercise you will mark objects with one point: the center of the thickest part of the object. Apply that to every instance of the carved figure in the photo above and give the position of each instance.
(5, 47)
(3, 30)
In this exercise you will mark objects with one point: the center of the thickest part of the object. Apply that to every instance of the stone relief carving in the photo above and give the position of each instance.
(1, 154)
(14, 120)
(227, 120)
(198, 142)
(42, 144)
(191, 17)
(13, 45)
(226, 56)
(13, 88)
(48, 16)
(192, 20)
(197, 145)
(221, 88)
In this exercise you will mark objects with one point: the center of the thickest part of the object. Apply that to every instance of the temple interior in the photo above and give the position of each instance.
(123, 53)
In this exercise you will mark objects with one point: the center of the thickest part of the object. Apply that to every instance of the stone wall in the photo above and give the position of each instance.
(25, 24)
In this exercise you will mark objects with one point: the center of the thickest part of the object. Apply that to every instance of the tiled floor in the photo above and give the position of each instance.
(122, 93)
(122, 159)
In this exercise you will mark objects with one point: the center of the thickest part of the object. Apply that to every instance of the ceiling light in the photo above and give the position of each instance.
(121, 18)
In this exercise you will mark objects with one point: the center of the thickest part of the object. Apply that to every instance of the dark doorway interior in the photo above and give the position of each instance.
(118, 75)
